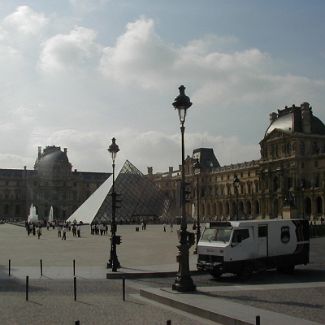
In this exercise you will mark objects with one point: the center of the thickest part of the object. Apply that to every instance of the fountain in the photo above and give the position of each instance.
(33, 217)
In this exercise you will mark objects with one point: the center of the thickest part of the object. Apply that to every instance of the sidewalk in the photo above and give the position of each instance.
(205, 304)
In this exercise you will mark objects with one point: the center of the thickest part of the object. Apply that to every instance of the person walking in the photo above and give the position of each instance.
(64, 233)
(164, 227)
(78, 231)
(59, 230)
(39, 232)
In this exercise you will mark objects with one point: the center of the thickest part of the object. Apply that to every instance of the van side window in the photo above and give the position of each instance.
(240, 235)
(262, 231)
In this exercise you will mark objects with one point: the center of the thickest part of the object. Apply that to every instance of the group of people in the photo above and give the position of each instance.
(99, 229)
(62, 228)
(34, 229)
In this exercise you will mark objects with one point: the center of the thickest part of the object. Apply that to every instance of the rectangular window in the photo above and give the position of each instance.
(262, 231)
(240, 235)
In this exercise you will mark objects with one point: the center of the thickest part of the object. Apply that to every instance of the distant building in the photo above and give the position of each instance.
(290, 172)
(51, 183)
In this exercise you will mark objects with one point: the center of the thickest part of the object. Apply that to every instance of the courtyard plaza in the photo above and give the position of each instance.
(277, 298)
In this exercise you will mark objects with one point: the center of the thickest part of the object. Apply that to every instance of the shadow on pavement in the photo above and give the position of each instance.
(12, 284)
(273, 277)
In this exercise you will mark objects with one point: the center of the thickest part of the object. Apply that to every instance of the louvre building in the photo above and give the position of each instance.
(52, 182)
(288, 177)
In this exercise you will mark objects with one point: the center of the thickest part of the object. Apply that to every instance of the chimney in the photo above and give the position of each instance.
(273, 116)
(150, 170)
(306, 115)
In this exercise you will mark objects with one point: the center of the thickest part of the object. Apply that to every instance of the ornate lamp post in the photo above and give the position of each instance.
(183, 281)
(236, 188)
(113, 260)
(197, 169)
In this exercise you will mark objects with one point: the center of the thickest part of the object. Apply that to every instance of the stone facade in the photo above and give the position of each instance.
(51, 183)
(289, 173)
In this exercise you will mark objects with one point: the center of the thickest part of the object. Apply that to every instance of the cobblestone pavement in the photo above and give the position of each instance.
(98, 302)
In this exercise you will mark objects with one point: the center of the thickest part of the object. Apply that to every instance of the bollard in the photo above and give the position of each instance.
(169, 322)
(41, 266)
(75, 288)
(27, 283)
(74, 267)
(258, 320)
(123, 282)
(9, 267)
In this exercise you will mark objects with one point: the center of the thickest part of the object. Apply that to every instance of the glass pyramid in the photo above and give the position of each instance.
(140, 198)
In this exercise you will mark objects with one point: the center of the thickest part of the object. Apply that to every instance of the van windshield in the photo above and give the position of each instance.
(217, 234)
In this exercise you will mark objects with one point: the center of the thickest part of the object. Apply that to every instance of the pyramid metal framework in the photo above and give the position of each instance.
(140, 198)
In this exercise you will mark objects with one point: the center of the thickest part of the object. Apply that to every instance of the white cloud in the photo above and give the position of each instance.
(25, 20)
(139, 55)
(66, 52)
(78, 93)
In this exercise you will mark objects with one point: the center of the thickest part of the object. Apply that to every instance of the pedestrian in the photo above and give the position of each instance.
(164, 227)
(64, 233)
(59, 231)
(78, 231)
(39, 232)
(74, 230)
(171, 227)
(34, 230)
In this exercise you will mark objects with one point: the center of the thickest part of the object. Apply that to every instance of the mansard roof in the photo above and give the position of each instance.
(296, 119)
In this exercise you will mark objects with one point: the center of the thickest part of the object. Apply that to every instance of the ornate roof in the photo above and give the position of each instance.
(296, 119)
(52, 160)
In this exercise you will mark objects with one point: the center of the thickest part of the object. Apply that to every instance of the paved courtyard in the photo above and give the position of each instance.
(99, 301)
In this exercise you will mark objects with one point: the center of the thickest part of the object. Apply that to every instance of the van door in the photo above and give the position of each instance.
(242, 245)
(262, 241)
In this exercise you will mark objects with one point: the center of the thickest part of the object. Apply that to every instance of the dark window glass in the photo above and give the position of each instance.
(240, 235)
(262, 231)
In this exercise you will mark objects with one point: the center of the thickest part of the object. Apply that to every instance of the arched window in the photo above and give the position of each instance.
(275, 184)
(257, 208)
(307, 207)
(319, 205)
(248, 208)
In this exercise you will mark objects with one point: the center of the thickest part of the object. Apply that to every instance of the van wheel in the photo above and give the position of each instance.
(289, 269)
(246, 272)
(216, 274)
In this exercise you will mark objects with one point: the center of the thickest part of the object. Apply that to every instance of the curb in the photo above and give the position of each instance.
(146, 274)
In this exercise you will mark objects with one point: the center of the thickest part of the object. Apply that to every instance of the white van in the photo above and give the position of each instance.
(241, 247)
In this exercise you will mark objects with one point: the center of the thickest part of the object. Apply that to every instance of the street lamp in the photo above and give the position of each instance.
(183, 281)
(236, 189)
(113, 260)
(302, 188)
(197, 169)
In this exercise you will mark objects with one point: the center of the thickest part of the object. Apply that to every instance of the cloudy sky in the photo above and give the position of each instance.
(75, 73)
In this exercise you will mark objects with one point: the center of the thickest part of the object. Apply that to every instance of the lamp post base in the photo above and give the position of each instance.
(114, 265)
(184, 284)
(183, 281)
